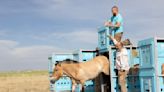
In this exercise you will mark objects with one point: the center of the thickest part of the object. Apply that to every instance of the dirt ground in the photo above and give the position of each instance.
(33, 81)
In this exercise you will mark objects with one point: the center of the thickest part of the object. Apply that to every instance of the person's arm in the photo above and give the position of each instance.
(107, 23)
(113, 39)
(118, 24)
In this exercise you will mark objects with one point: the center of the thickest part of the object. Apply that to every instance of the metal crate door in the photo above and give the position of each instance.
(147, 65)
(160, 56)
(103, 40)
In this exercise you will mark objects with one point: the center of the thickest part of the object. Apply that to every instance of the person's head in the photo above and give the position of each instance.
(119, 45)
(115, 10)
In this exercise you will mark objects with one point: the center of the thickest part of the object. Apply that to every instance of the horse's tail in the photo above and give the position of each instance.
(106, 68)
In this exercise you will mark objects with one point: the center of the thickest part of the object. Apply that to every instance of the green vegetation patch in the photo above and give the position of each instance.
(23, 73)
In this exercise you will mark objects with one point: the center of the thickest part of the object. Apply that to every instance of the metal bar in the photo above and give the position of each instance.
(156, 59)
(110, 60)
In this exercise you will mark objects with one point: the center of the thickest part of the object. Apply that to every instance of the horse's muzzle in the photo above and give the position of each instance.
(52, 80)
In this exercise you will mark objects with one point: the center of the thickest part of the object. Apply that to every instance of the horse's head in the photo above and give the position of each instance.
(57, 73)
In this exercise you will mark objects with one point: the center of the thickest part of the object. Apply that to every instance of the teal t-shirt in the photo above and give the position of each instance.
(114, 20)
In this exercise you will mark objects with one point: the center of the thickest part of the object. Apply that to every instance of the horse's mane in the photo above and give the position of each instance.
(66, 61)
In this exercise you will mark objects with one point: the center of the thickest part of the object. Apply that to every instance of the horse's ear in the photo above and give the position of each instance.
(56, 63)
(59, 65)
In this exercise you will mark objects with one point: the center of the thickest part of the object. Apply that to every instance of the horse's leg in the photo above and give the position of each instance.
(82, 85)
(73, 85)
(106, 69)
(82, 88)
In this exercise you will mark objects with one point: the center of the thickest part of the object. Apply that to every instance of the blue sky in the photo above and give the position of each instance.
(30, 30)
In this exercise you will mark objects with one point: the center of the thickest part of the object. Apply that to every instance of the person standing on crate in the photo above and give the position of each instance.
(122, 64)
(115, 24)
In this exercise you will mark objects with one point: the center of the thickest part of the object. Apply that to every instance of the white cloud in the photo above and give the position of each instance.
(6, 47)
(70, 9)
(14, 57)
(77, 38)
(8, 43)
(33, 51)
(87, 36)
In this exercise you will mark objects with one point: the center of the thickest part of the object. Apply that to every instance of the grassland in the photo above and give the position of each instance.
(26, 81)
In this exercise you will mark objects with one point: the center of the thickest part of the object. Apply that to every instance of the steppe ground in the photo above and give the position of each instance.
(27, 81)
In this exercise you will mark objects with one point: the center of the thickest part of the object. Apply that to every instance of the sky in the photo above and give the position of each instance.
(31, 30)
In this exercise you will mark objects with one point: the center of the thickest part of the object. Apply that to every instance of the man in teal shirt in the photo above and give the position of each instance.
(115, 24)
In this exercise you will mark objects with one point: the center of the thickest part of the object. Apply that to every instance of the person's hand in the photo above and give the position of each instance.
(108, 24)
(111, 37)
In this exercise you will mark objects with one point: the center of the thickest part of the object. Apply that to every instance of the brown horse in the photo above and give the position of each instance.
(81, 72)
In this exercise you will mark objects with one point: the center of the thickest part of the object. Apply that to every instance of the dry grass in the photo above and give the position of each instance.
(31, 81)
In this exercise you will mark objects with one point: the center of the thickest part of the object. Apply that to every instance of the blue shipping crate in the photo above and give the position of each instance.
(103, 40)
(151, 60)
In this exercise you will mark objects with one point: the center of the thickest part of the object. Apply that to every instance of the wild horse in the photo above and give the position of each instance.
(81, 71)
